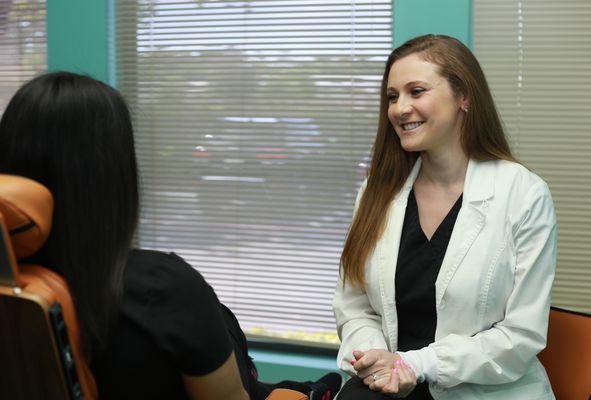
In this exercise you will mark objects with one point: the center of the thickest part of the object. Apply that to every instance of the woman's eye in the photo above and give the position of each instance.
(392, 98)
(417, 91)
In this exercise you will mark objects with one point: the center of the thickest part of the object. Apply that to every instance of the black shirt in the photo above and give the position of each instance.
(171, 323)
(419, 261)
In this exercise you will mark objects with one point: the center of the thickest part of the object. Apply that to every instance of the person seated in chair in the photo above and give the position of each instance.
(151, 326)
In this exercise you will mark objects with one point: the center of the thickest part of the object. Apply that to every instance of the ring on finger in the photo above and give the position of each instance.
(375, 376)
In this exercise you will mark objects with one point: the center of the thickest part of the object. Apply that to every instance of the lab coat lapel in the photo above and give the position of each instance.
(388, 245)
(478, 190)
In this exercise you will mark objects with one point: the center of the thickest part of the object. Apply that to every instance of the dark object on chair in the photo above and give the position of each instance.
(567, 356)
(326, 387)
(39, 334)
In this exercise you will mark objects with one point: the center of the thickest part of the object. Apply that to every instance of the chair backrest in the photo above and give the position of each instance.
(567, 356)
(40, 353)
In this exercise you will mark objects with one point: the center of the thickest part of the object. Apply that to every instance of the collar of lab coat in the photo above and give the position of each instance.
(478, 189)
(478, 184)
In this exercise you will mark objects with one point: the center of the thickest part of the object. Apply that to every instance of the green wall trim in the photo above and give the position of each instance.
(77, 37)
(418, 17)
(275, 366)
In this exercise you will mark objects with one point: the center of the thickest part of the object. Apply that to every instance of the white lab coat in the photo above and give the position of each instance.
(492, 292)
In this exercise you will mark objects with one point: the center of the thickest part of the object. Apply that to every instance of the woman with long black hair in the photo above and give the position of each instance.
(151, 327)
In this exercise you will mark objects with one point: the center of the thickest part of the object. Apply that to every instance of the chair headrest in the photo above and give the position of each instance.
(27, 208)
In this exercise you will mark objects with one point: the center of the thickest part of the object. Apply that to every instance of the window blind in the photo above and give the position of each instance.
(23, 44)
(254, 121)
(536, 55)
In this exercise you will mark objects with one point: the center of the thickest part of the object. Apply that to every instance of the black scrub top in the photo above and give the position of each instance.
(171, 323)
(419, 261)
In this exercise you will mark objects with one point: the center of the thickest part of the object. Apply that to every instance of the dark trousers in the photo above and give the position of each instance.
(355, 389)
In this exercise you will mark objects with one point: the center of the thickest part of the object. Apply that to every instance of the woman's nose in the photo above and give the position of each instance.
(403, 108)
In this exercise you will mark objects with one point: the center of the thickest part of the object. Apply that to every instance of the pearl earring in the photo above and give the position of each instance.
(465, 109)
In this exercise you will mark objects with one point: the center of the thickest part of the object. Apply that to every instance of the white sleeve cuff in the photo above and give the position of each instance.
(423, 361)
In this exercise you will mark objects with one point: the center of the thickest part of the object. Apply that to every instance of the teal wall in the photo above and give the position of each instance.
(78, 33)
(418, 17)
(77, 37)
(274, 366)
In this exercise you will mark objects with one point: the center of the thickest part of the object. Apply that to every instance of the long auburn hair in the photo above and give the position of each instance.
(482, 138)
(73, 134)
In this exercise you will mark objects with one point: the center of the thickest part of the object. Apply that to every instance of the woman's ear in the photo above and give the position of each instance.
(464, 104)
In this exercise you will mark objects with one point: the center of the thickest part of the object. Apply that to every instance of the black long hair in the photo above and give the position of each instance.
(74, 135)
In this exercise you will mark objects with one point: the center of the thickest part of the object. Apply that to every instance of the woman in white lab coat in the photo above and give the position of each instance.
(448, 266)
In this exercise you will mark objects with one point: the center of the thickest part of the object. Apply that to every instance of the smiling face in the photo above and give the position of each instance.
(422, 108)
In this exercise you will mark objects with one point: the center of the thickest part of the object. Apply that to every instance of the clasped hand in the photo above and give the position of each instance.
(384, 372)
